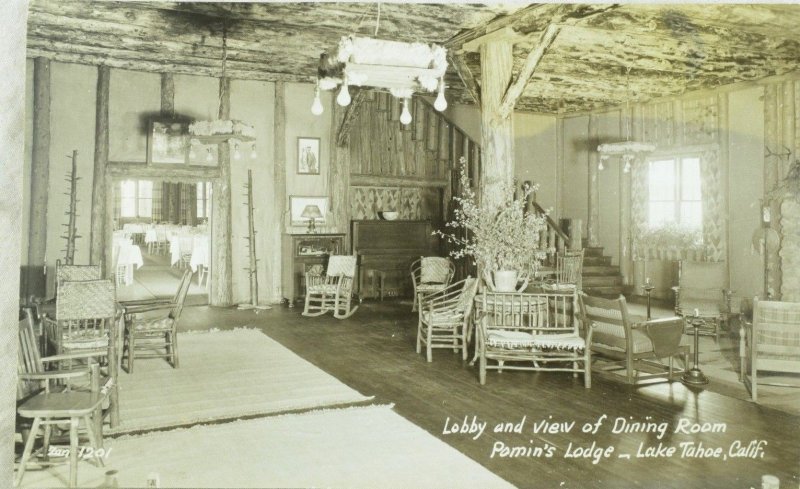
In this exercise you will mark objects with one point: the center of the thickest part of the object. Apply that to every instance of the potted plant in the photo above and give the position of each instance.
(503, 241)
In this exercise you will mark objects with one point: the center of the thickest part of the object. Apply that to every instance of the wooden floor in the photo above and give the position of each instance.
(373, 352)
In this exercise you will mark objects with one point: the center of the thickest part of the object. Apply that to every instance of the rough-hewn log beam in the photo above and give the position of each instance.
(100, 254)
(625, 255)
(339, 172)
(465, 74)
(167, 95)
(524, 76)
(593, 223)
(279, 201)
(396, 181)
(40, 178)
(221, 233)
(350, 114)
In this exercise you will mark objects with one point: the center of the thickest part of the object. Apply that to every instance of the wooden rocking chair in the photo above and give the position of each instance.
(332, 291)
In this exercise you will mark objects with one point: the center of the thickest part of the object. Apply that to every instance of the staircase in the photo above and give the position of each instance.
(600, 277)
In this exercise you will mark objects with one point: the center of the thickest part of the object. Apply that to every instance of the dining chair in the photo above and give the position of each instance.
(331, 290)
(430, 274)
(444, 318)
(154, 332)
(636, 345)
(56, 397)
(701, 293)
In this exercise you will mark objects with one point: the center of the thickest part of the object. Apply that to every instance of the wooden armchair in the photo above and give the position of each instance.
(154, 332)
(700, 289)
(47, 397)
(333, 290)
(770, 344)
(430, 274)
(444, 318)
(636, 344)
(532, 331)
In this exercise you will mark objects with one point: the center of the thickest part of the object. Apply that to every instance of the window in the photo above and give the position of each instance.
(136, 198)
(203, 200)
(674, 190)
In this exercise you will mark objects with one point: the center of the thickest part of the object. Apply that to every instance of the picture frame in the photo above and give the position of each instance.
(308, 156)
(299, 202)
(168, 142)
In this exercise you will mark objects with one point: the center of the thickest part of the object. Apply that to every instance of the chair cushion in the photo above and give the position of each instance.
(612, 336)
(705, 308)
(566, 341)
(428, 288)
(502, 338)
(448, 316)
(155, 324)
(322, 289)
(83, 339)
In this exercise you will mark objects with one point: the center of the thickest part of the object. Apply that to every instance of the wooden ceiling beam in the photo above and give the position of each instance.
(524, 76)
(459, 64)
(350, 115)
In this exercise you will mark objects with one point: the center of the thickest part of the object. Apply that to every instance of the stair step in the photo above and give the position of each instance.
(601, 280)
(600, 270)
(590, 261)
(592, 251)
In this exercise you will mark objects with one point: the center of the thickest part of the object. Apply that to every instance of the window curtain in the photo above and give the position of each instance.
(714, 219)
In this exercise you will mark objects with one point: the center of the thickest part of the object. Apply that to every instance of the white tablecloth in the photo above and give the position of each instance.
(135, 228)
(201, 248)
(197, 245)
(127, 255)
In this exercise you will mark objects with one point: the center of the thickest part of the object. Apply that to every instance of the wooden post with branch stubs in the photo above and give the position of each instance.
(72, 210)
(252, 270)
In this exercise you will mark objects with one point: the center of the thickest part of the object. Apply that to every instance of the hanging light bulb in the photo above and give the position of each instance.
(343, 98)
(441, 103)
(253, 154)
(237, 155)
(209, 158)
(600, 166)
(405, 117)
(316, 107)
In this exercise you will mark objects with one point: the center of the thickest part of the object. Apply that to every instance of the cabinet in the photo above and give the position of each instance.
(301, 252)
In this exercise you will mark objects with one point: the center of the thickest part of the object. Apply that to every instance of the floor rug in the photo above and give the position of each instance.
(362, 447)
(224, 374)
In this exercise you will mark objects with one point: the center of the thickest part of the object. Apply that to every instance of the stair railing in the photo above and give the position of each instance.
(554, 239)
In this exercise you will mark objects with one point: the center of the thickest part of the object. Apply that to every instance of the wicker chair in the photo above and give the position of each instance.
(444, 318)
(770, 344)
(430, 274)
(636, 345)
(47, 397)
(155, 331)
(532, 331)
(72, 273)
(569, 271)
(333, 290)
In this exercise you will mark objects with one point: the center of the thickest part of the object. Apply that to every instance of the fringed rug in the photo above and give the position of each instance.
(362, 447)
(224, 374)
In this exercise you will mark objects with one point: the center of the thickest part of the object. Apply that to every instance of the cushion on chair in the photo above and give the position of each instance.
(502, 338)
(568, 341)
(322, 289)
(156, 324)
(428, 288)
(440, 317)
(434, 269)
(83, 339)
(778, 334)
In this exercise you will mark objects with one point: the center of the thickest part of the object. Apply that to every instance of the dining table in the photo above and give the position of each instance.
(125, 256)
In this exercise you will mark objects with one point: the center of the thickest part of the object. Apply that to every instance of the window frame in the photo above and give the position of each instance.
(137, 199)
(677, 162)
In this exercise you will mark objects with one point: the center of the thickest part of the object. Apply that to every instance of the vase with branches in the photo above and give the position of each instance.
(502, 240)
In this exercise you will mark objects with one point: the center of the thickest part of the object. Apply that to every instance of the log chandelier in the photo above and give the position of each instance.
(399, 67)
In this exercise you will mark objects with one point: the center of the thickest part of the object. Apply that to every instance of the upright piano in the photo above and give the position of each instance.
(385, 251)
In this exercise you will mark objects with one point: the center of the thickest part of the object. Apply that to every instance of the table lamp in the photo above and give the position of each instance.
(312, 213)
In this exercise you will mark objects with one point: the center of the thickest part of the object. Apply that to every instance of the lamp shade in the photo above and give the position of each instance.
(311, 212)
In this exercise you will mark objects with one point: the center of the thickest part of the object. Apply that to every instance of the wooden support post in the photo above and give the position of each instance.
(40, 180)
(279, 202)
(593, 225)
(221, 260)
(167, 95)
(625, 258)
(497, 131)
(339, 176)
(99, 255)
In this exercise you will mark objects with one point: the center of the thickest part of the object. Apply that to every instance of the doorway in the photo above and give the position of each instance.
(160, 229)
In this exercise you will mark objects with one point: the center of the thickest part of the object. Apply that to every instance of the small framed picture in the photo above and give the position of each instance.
(308, 161)
(168, 142)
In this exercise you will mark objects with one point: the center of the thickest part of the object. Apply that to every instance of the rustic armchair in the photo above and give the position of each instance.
(331, 290)
(770, 345)
(636, 345)
(531, 331)
(444, 318)
(430, 274)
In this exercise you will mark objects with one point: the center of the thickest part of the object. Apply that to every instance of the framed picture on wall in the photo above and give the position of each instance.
(298, 204)
(308, 161)
(167, 142)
